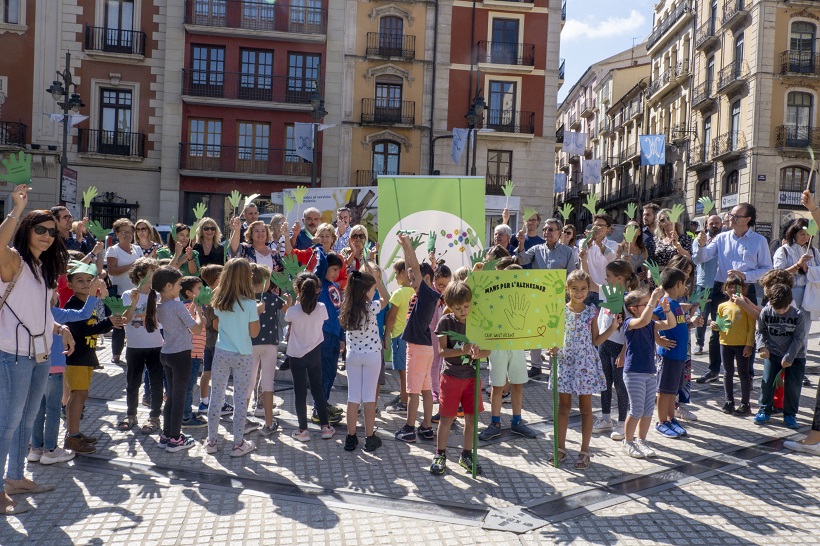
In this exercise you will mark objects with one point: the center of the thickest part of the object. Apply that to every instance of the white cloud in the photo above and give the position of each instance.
(607, 28)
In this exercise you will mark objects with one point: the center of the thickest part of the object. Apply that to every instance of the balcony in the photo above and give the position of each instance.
(706, 37)
(790, 200)
(728, 145)
(661, 81)
(246, 162)
(703, 96)
(506, 53)
(682, 70)
(699, 156)
(681, 12)
(259, 19)
(628, 153)
(561, 66)
(116, 143)
(562, 163)
(559, 135)
(679, 133)
(388, 112)
(209, 87)
(635, 109)
(665, 188)
(792, 136)
(799, 63)
(370, 178)
(734, 11)
(510, 121)
(732, 77)
(391, 46)
(574, 121)
(12, 134)
(494, 184)
(114, 40)
(588, 108)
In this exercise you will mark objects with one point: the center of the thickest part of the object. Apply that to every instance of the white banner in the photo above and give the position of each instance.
(459, 141)
(303, 140)
(592, 172)
(73, 119)
(574, 143)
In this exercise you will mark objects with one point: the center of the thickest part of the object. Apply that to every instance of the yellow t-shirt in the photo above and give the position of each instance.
(742, 329)
(401, 300)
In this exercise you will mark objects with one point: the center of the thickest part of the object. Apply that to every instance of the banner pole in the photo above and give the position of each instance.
(476, 402)
(554, 378)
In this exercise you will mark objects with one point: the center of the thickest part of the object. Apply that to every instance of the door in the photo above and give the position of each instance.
(713, 12)
(798, 119)
(303, 76)
(710, 75)
(504, 47)
(119, 24)
(388, 102)
(738, 62)
(253, 148)
(391, 34)
(707, 137)
(734, 129)
(204, 144)
(207, 71)
(256, 80)
(502, 110)
(115, 128)
(386, 155)
(801, 47)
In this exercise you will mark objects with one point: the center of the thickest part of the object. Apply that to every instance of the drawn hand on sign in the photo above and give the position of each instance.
(554, 314)
(517, 312)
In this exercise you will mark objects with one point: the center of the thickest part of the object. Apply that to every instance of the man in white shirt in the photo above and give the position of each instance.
(600, 252)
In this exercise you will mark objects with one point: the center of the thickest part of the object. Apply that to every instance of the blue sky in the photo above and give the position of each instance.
(596, 29)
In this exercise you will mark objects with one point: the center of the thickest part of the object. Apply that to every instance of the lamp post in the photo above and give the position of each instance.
(318, 112)
(71, 102)
(474, 114)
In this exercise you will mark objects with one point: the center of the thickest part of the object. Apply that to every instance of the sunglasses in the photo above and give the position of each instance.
(208, 228)
(357, 236)
(550, 229)
(42, 230)
(142, 229)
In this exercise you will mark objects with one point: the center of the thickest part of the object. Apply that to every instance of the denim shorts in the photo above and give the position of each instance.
(399, 353)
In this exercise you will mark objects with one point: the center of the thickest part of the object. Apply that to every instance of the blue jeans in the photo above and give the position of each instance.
(47, 421)
(22, 384)
(330, 361)
(187, 412)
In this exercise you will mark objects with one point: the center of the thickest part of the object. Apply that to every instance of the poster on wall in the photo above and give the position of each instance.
(444, 212)
(517, 309)
(362, 202)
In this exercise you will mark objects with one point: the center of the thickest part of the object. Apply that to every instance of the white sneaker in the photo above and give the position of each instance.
(211, 447)
(35, 454)
(645, 449)
(617, 431)
(601, 425)
(250, 426)
(683, 413)
(243, 449)
(632, 450)
(57, 455)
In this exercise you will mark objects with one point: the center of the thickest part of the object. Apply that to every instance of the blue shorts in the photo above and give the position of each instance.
(670, 380)
(399, 353)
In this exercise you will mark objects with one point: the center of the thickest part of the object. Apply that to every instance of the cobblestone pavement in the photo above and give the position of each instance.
(730, 482)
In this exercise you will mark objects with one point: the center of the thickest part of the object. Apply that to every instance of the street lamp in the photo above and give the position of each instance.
(318, 112)
(474, 115)
(70, 102)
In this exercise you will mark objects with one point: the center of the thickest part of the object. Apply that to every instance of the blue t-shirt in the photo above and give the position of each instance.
(381, 315)
(640, 348)
(680, 333)
(233, 333)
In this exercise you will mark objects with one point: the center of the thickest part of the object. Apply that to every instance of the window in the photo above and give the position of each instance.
(11, 11)
(499, 170)
(502, 105)
(802, 37)
(209, 11)
(256, 81)
(386, 157)
(391, 34)
(504, 41)
(703, 189)
(115, 122)
(799, 110)
(119, 14)
(306, 15)
(205, 144)
(794, 179)
(734, 129)
(208, 70)
(258, 15)
(713, 12)
(303, 76)
(710, 71)
(253, 147)
(738, 63)
(388, 99)
(731, 182)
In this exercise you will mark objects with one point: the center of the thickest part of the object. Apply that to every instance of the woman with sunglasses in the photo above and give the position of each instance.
(568, 236)
(354, 253)
(33, 261)
(670, 240)
(208, 243)
(144, 232)
(119, 258)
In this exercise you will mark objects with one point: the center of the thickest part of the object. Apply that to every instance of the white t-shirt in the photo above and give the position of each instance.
(138, 336)
(605, 321)
(305, 330)
(121, 281)
(267, 261)
(366, 340)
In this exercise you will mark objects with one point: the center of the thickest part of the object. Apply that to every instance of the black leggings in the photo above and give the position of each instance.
(609, 351)
(177, 368)
(138, 360)
(815, 425)
(730, 353)
(308, 370)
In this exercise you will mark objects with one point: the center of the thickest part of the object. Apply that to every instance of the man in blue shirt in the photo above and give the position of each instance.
(311, 219)
(740, 251)
(705, 276)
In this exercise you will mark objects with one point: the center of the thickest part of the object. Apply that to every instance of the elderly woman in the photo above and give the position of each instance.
(278, 230)
(256, 247)
(146, 243)
(797, 259)
(119, 258)
(185, 258)
(208, 243)
(29, 268)
(670, 240)
(355, 254)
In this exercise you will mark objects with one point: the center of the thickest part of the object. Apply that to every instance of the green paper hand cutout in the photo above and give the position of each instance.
(614, 295)
(655, 270)
(431, 242)
(592, 204)
(291, 264)
(630, 233)
(299, 194)
(708, 205)
(96, 230)
(283, 283)
(89, 195)
(472, 238)
(589, 236)
(723, 324)
(675, 212)
(476, 257)
(701, 297)
(529, 213)
(416, 241)
(235, 199)
(288, 203)
(115, 305)
(811, 229)
(200, 210)
(148, 277)
(249, 199)
(507, 188)
(489, 265)
(204, 296)
(565, 211)
(18, 169)
(631, 210)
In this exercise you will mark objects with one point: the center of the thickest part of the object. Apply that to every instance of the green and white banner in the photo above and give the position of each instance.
(517, 309)
(444, 212)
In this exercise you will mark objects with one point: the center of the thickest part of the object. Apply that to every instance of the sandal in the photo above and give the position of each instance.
(583, 461)
(562, 454)
(151, 427)
(127, 424)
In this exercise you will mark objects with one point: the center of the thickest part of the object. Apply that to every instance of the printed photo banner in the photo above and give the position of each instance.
(362, 202)
(518, 309)
(448, 209)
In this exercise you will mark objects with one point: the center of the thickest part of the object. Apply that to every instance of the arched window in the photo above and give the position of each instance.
(386, 157)
(704, 188)
(794, 179)
(801, 39)
(732, 182)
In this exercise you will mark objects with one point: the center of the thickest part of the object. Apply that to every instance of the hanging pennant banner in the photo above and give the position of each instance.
(574, 143)
(592, 172)
(560, 182)
(653, 149)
